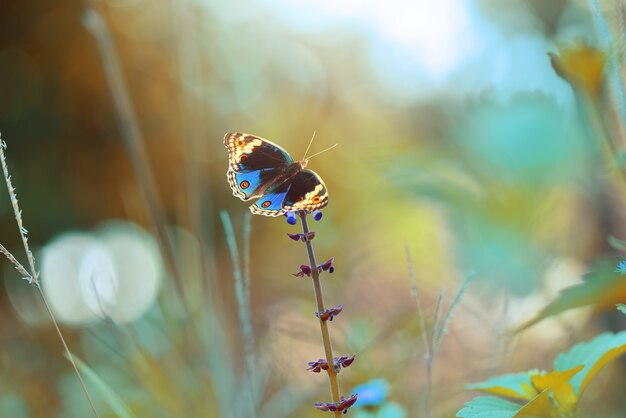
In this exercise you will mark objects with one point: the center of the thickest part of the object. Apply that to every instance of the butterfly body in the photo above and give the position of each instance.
(260, 169)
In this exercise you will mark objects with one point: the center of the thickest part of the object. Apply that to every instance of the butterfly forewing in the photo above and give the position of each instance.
(254, 164)
(249, 153)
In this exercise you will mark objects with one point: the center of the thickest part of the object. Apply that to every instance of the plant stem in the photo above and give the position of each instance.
(425, 339)
(319, 299)
(68, 353)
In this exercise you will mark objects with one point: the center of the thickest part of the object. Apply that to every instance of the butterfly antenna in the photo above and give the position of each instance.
(307, 148)
(318, 153)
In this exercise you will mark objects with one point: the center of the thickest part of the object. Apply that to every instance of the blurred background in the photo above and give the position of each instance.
(476, 137)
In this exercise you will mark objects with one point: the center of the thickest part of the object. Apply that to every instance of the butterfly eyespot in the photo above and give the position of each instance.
(241, 142)
(300, 199)
(266, 204)
(315, 199)
(243, 158)
(244, 184)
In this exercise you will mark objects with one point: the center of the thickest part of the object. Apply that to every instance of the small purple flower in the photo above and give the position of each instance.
(345, 361)
(322, 364)
(317, 215)
(317, 366)
(304, 271)
(302, 237)
(329, 314)
(327, 266)
(621, 267)
(291, 218)
(342, 406)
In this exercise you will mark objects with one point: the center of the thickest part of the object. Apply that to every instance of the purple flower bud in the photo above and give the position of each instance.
(327, 266)
(317, 215)
(291, 218)
(295, 237)
(346, 361)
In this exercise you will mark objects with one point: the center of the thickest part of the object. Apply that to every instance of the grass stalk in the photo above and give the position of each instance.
(33, 276)
(319, 299)
(424, 332)
(243, 303)
(133, 139)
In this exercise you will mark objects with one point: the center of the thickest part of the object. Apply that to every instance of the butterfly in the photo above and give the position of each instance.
(260, 169)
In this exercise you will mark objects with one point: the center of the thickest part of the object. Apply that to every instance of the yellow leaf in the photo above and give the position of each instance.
(515, 386)
(582, 66)
(539, 407)
(604, 360)
(565, 399)
(553, 379)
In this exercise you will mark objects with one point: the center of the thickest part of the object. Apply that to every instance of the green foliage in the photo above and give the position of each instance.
(547, 394)
(488, 407)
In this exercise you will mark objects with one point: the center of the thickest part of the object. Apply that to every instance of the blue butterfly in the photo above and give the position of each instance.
(261, 169)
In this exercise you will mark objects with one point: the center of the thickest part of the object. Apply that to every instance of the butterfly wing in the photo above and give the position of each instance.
(254, 163)
(305, 191)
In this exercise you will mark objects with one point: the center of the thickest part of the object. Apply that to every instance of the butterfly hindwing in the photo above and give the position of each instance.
(307, 192)
(244, 185)
(271, 203)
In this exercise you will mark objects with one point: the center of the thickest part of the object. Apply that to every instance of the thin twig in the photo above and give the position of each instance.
(435, 326)
(319, 299)
(18, 266)
(33, 276)
(453, 306)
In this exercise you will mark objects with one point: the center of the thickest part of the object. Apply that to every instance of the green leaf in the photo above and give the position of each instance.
(509, 385)
(594, 355)
(620, 159)
(621, 307)
(602, 287)
(115, 402)
(488, 407)
(617, 243)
